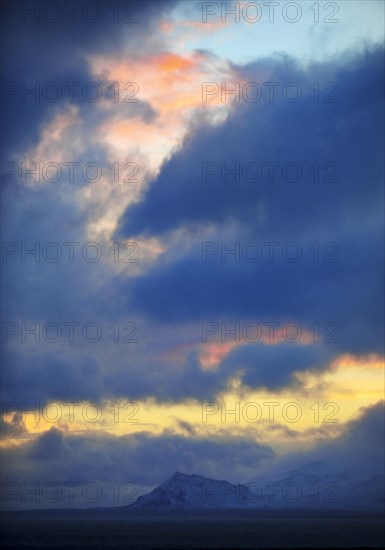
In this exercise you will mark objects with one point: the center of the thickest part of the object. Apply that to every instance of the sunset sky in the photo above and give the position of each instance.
(207, 218)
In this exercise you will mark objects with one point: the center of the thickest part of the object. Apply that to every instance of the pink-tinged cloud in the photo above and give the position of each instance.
(171, 84)
(213, 353)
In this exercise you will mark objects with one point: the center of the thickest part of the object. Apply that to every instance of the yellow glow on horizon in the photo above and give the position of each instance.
(318, 409)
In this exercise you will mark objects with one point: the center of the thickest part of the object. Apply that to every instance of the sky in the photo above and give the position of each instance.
(192, 243)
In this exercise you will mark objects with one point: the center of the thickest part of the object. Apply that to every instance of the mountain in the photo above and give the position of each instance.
(317, 485)
(191, 492)
(314, 486)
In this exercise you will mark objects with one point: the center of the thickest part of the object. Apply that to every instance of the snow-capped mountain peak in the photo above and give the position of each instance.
(311, 486)
(191, 491)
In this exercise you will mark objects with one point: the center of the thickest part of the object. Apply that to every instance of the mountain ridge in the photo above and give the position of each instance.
(311, 486)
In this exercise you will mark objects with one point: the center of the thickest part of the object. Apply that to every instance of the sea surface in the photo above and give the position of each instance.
(103, 531)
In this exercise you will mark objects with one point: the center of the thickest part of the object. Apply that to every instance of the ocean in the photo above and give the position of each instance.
(102, 530)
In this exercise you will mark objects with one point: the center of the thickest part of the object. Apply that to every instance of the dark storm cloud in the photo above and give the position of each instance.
(40, 51)
(181, 288)
(182, 291)
(48, 446)
(359, 448)
(349, 213)
(348, 292)
(34, 376)
(14, 427)
(273, 366)
(348, 132)
(42, 372)
(140, 457)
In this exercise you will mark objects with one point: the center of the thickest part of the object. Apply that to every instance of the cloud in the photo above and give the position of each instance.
(273, 366)
(347, 291)
(359, 448)
(26, 38)
(48, 446)
(172, 291)
(140, 459)
(14, 427)
(146, 460)
(270, 132)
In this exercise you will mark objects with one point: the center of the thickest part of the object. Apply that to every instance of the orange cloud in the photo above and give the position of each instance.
(167, 80)
(172, 85)
(173, 62)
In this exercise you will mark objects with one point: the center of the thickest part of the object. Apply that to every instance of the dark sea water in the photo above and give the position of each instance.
(100, 531)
